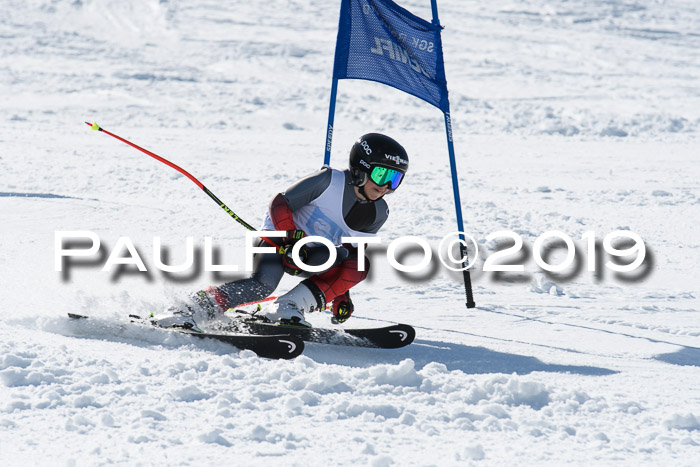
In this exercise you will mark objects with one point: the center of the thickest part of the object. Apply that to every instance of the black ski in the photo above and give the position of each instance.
(279, 345)
(388, 337)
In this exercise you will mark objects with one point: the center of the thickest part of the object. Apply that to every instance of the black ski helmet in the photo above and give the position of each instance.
(376, 150)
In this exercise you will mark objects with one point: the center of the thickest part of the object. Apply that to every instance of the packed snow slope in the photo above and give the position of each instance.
(577, 116)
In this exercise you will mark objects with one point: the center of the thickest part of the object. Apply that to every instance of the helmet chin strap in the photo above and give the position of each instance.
(362, 192)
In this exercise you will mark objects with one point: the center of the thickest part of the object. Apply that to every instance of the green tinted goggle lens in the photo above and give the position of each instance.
(381, 176)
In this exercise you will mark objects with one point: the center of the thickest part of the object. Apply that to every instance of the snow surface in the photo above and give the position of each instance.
(573, 116)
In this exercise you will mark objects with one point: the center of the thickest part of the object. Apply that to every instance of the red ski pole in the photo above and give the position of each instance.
(228, 210)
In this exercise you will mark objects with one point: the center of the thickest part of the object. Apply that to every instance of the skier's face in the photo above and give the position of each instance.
(373, 191)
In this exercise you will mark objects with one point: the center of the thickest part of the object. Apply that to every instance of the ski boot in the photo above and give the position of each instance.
(205, 305)
(210, 302)
(177, 318)
(289, 308)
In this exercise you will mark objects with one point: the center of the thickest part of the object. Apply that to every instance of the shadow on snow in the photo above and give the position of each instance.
(35, 195)
(686, 356)
(470, 360)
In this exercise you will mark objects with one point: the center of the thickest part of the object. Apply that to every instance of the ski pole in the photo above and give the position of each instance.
(228, 210)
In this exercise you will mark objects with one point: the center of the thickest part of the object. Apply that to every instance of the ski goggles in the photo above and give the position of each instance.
(382, 175)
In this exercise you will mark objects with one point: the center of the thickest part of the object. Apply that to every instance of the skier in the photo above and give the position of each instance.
(331, 204)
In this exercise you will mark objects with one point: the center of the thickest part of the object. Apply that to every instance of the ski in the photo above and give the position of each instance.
(388, 337)
(279, 345)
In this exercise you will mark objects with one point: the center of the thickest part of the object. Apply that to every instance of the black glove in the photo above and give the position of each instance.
(288, 261)
(342, 308)
(293, 236)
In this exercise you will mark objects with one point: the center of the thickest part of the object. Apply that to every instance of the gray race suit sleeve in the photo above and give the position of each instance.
(307, 189)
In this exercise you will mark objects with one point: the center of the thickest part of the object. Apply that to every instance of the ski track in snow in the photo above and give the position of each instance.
(573, 116)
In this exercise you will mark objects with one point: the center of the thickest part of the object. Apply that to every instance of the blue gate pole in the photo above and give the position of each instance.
(455, 190)
(458, 208)
(329, 128)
